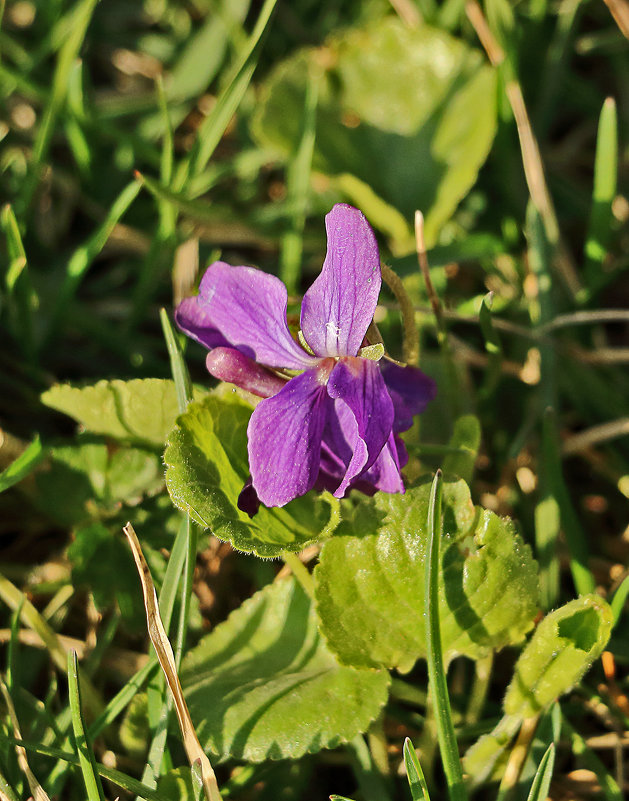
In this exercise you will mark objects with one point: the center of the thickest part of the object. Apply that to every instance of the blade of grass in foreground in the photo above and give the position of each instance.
(83, 256)
(601, 217)
(21, 298)
(212, 130)
(414, 773)
(86, 755)
(111, 774)
(541, 782)
(22, 466)
(434, 657)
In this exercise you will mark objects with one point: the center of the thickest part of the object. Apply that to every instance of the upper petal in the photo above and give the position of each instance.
(338, 308)
(248, 307)
(194, 320)
(410, 390)
(285, 438)
(364, 413)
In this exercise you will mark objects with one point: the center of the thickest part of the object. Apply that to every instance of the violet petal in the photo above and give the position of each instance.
(384, 474)
(248, 307)
(193, 318)
(285, 438)
(364, 411)
(229, 364)
(410, 390)
(338, 308)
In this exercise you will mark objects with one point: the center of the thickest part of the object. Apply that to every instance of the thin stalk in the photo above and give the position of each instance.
(300, 571)
(436, 670)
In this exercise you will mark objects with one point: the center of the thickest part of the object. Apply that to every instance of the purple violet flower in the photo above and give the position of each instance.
(330, 417)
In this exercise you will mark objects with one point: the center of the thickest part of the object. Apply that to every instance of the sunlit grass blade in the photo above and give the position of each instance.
(29, 615)
(414, 773)
(212, 130)
(194, 209)
(87, 761)
(297, 188)
(584, 581)
(22, 300)
(7, 793)
(68, 51)
(178, 367)
(123, 698)
(167, 211)
(434, 657)
(22, 466)
(618, 601)
(493, 346)
(541, 782)
(111, 774)
(609, 787)
(83, 257)
(605, 179)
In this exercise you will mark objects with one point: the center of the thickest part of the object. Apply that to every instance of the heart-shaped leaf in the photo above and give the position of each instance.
(141, 410)
(207, 466)
(264, 685)
(370, 580)
(419, 97)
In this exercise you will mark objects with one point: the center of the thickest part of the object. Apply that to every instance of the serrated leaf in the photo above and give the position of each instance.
(263, 684)
(207, 468)
(142, 410)
(562, 649)
(369, 583)
(421, 96)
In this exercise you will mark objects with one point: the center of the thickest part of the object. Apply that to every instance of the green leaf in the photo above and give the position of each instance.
(22, 466)
(86, 480)
(93, 554)
(562, 649)
(141, 410)
(263, 684)
(87, 760)
(421, 96)
(207, 468)
(541, 782)
(369, 584)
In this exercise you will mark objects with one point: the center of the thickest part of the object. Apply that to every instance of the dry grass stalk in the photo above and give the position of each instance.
(38, 792)
(164, 651)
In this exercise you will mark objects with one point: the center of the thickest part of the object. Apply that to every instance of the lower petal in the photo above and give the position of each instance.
(384, 474)
(285, 434)
(364, 415)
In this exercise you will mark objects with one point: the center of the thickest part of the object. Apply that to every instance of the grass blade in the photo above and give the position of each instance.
(541, 782)
(111, 774)
(178, 368)
(86, 755)
(414, 773)
(38, 793)
(81, 16)
(605, 178)
(297, 187)
(434, 657)
(212, 130)
(22, 466)
(21, 297)
(83, 257)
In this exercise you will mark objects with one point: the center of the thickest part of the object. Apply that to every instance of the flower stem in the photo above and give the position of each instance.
(300, 571)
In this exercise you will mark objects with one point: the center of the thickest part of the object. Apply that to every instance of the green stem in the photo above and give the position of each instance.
(300, 571)
(436, 671)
